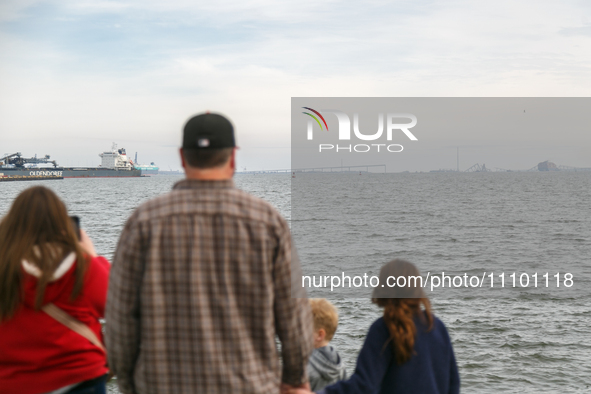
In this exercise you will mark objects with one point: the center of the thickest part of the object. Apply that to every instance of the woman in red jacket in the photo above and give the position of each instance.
(42, 263)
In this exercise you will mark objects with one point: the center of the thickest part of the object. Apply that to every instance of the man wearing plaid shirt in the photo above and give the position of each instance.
(201, 284)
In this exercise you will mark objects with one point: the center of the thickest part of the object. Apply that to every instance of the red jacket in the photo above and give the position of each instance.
(37, 353)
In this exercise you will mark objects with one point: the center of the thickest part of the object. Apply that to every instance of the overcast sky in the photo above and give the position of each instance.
(77, 75)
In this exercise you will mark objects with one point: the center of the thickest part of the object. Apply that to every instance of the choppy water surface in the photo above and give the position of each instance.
(507, 340)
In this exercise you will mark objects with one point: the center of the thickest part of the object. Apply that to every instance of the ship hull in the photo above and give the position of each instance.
(71, 172)
(147, 170)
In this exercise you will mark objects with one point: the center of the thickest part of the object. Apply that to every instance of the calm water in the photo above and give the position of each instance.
(506, 340)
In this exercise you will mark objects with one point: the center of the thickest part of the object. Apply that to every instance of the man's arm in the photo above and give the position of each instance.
(123, 305)
(293, 319)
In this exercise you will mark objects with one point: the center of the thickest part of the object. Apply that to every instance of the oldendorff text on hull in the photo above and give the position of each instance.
(115, 163)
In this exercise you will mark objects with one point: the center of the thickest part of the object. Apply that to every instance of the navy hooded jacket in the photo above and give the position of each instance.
(431, 370)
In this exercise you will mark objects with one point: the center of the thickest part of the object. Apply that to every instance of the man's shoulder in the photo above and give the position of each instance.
(231, 202)
(152, 207)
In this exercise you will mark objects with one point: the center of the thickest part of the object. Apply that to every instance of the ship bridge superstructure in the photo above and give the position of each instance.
(116, 159)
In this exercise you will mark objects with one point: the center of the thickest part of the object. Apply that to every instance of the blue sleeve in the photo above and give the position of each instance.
(372, 364)
(454, 378)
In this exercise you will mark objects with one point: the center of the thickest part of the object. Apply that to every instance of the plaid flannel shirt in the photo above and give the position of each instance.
(199, 289)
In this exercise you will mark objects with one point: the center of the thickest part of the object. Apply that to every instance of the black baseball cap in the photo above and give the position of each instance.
(208, 131)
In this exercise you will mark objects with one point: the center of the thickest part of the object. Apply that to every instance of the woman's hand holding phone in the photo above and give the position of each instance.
(86, 244)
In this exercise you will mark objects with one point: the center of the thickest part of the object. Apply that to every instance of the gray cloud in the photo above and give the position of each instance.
(584, 30)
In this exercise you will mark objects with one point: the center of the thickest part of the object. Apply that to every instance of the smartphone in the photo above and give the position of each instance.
(76, 221)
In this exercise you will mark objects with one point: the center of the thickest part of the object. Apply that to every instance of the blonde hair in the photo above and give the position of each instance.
(325, 316)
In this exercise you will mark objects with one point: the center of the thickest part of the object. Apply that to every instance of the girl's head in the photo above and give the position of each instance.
(403, 300)
(37, 228)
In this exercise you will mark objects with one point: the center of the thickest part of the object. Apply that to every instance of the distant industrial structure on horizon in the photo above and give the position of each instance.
(381, 169)
(542, 166)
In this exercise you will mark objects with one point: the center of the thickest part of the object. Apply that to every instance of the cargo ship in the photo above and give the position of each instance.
(146, 169)
(115, 163)
(547, 166)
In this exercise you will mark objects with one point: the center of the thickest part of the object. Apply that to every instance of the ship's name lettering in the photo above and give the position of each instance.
(45, 173)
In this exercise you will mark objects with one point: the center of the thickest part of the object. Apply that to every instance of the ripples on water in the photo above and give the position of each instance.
(522, 340)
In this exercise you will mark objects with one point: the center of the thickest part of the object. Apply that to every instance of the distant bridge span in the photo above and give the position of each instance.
(336, 169)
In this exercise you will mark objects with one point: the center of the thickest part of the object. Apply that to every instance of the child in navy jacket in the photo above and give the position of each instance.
(408, 350)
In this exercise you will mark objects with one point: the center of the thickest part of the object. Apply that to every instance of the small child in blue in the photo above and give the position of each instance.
(325, 366)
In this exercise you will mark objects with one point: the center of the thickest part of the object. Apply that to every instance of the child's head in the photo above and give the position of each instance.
(403, 300)
(326, 320)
